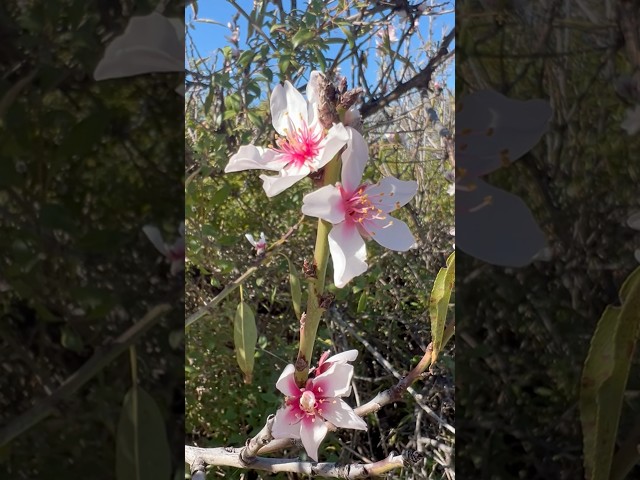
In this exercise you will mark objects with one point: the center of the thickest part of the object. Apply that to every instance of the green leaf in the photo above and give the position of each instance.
(220, 196)
(283, 64)
(439, 304)
(233, 102)
(142, 448)
(246, 57)
(302, 36)
(347, 32)
(322, 63)
(245, 336)
(604, 379)
(296, 289)
(362, 302)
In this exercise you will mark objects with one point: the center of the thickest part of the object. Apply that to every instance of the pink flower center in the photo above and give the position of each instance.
(308, 401)
(301, 146)
(360, 206)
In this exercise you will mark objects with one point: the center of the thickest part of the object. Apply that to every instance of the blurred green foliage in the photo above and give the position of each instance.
(525, 332)
(83, 166)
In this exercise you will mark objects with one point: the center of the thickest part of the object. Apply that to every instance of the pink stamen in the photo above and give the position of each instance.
(301, 146)
(360, 206)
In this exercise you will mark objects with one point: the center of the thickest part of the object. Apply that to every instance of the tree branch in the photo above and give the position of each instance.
(231, 457)
(421, 80)
(101, 358)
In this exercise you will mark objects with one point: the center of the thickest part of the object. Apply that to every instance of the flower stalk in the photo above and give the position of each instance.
(309, 329)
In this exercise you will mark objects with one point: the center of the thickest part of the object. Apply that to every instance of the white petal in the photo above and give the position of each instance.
(154, 235)
(492, 130)
(342, 415)
(335, 381)
(352, 117)
(287, 104)
(275, 185)
(325, 203)
(285, 424)
(149, 44)
(503, 233)
(336, 138)
(348, 356)
(354, 160)
(250, 238)
(390, 193)
(250, 157)
(634, 221)
(348, 252)
(391, 233)
(312, 432)
(286, 383)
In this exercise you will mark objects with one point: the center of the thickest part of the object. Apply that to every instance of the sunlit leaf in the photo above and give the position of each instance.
(604, 380)
(439, 304)
(245, 336)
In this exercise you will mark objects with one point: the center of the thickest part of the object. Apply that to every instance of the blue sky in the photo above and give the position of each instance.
(210, 36)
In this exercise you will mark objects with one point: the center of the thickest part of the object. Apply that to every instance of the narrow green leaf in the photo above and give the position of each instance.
(322, 63)
(347, 32)
(604, 379)
(246, 57)
(296, 289)
(283, 64)
(142, 448)
(439, 303)
(245, 336)
(362, 302)
(302, 36)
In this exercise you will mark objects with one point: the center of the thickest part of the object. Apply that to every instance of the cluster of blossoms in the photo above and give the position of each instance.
(306, 409)
(357, 210)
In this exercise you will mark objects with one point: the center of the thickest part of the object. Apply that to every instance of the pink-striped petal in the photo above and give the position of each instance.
(286, 383)
(286, 424)
(312, 433)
